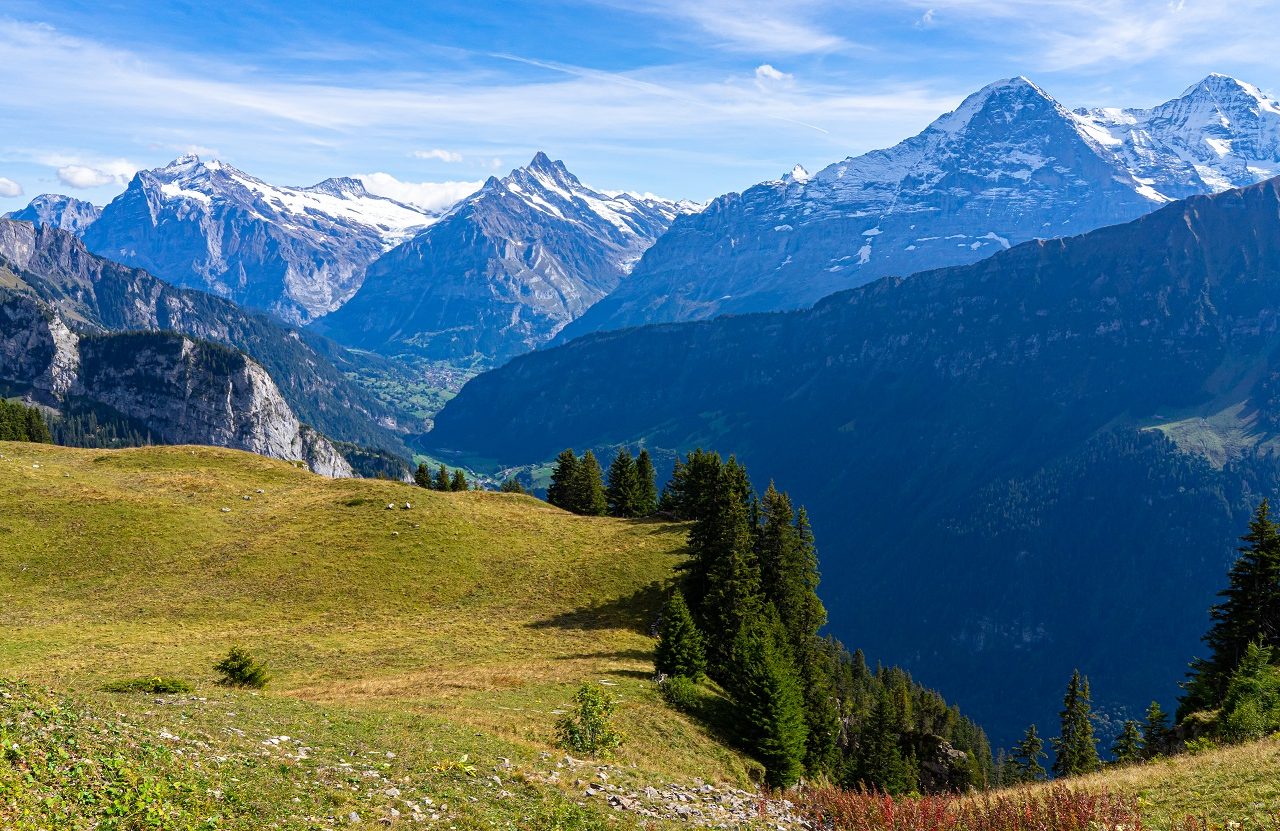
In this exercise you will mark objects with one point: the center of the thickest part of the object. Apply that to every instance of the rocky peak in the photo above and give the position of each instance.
(58, 211)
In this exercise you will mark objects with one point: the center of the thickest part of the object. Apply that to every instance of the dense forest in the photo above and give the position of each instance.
(18, 422)
(745, 620)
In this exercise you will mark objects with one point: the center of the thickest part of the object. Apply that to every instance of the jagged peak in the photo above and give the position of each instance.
(1009, 92)
(340, 186)
(797, 174)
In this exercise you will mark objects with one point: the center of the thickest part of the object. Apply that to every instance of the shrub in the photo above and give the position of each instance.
(239, 669)
(588, 727)
(150, 686)
(680, 692)
(1251, 708)
(1058, 808)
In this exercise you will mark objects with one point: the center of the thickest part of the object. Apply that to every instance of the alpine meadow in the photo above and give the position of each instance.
(589, 416)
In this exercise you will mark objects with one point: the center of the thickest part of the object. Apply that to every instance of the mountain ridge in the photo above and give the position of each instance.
(503, 270)
(1008, 165)
(979, 410)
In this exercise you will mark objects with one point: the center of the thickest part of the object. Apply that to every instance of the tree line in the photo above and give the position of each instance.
(1230, 696)
(746, 615)
(18, 422)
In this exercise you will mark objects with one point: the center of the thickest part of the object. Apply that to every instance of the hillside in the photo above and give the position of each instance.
(959, 424)
(457, 626)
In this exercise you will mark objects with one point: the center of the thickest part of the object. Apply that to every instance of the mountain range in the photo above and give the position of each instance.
(1017, 466)
(1010, 164)
(504, 270)
(295, 252)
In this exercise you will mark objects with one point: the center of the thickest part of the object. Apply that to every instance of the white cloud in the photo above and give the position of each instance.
(9, 188)
(768, 77)
(432, 196)
(76, 172)
(926, 19)
(80, 176)
(439, 155)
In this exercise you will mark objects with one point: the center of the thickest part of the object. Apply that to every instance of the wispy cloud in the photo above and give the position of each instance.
(773, 27)
(10, 188)
(1066, 35)
(449, 156)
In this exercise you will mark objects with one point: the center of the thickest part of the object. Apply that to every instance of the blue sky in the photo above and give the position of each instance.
(683, 98)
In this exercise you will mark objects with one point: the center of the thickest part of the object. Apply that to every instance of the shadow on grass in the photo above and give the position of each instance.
(637, 611)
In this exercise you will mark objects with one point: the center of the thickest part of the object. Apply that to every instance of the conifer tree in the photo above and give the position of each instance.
(1026, 757)
(647, 478)
(680, 648)
(1076, 749)
(459, 482)
(588, 487)
(512, 485)
(766, 694)
(1249, 612)
(442, 479)
(422, 476)
(623, 492)
(563, 477)
(880, 763)
(672, 499)
(722, 547)
(1155, 730)
(1127, 748)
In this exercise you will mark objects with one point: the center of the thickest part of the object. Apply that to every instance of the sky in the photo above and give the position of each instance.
(682, 98)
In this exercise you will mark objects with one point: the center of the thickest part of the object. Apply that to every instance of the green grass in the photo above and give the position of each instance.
(457, 626)
(1235, 787)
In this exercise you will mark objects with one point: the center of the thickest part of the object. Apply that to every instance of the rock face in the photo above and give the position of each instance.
(295, 252)
(96, 295)
(185, 391)
(504, 271)
(1009, 165)
(58, 211)
(195, 392)
(1044, 456)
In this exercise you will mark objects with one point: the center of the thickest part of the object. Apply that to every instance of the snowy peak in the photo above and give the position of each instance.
(1220, 133)
(57, 211)
(546, 186)
(341, 201)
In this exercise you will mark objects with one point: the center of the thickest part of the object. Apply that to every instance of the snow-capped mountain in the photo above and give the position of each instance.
(1220, 133)
(298, 252)
(505, 269)
(1008, 165)
(58, 211)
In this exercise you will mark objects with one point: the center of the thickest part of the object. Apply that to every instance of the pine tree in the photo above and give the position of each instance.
(1155, 731)
(647, 477)
(1127, 748)
(588, 487)
(442, 479)
(725, 565)
(1076, 750)
(680, 648)
(1249, 612)
(459, 482)
(422, 476)
(623, 492)
(1026, 757)
(879, 763)
(563, 476)
(512, 485)
(768, 703)
(672, 499)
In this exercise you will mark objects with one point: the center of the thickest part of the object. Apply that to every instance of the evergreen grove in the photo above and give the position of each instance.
(747, 614)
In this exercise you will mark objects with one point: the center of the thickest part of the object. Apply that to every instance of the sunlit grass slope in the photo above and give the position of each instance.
(475, 612)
